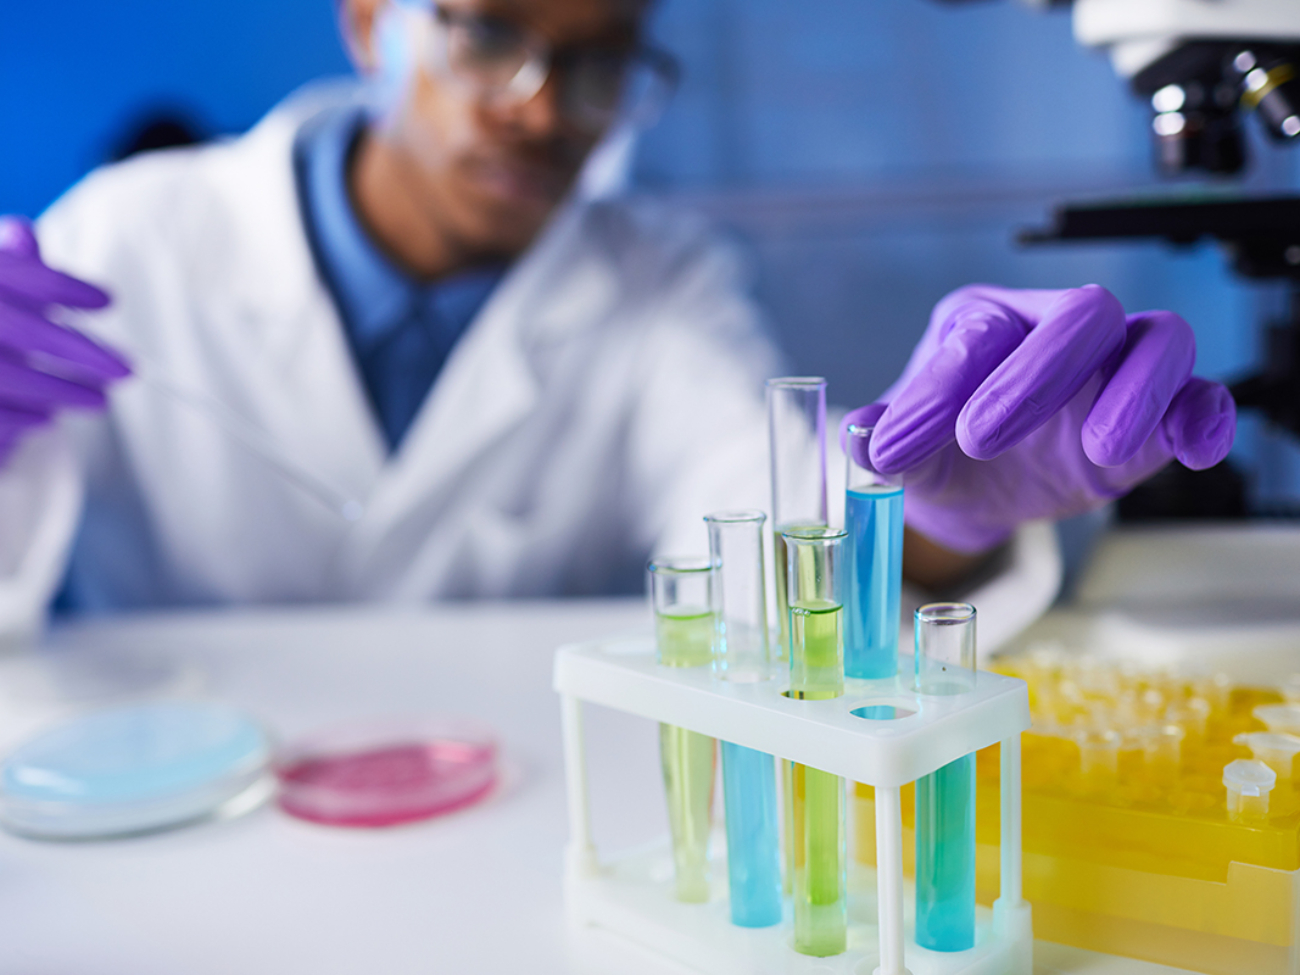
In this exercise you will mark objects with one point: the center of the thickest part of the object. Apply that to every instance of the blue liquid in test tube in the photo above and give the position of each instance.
(945, 857)
(742, 655)
(945, 799)
(753, 846)
(873, 518)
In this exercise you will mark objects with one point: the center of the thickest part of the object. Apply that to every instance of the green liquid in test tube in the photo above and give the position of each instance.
(817, 655)
(796, 425)
(817, 804)
(945, 799)
(683, 592)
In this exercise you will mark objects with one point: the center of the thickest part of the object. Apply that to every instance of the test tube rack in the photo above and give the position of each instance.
(630, 896)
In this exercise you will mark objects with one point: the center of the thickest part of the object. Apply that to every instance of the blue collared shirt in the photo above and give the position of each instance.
(400, 330)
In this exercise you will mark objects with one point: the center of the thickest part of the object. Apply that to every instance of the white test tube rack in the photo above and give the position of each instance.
(630, 897)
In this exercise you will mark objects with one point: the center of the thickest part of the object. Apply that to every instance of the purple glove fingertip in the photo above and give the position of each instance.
(1139, 386)
(24, 276)
(863, 416)
(1079, 331)
(18, 238)
(1201, 423)
(923, 411)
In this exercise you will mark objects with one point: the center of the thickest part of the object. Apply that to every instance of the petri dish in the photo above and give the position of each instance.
(387, 773)
(135, 769)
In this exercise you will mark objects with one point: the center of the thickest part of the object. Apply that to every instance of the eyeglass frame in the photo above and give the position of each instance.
(541, 61)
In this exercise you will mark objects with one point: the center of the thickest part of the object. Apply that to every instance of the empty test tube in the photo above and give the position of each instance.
(796, 423)
(814, 579)
(945, 799)
(1248, 783)
(684, 595)
(748, 776)
(1275, 749)
(873, 518)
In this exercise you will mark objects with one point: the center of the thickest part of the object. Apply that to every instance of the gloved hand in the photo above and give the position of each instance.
(1040, 404)
(44, 367)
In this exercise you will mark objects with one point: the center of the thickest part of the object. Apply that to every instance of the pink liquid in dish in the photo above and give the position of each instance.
(389, 784)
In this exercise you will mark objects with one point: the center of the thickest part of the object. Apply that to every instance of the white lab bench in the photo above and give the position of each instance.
(479, 891)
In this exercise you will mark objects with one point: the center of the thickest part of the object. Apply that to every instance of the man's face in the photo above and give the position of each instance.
(490, 170)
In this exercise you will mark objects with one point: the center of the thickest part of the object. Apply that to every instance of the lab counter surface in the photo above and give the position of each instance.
(477, 891)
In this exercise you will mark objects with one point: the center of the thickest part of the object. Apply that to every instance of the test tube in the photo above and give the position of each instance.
(796, 424)
(1248, 783)
(873, 517)
(684, 595)
(736, 548)
(748, 776)
(945, 799)
(796, 417)
(814, 578)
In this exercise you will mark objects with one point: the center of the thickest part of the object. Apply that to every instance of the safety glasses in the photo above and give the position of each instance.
(502, 63)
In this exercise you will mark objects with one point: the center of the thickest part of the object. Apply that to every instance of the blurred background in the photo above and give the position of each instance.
(870, 156)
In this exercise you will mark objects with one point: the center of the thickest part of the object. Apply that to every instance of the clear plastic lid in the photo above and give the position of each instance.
(1284, 718)
(1275, 749)
(387, 773)
(132, 770)
(1249, 777)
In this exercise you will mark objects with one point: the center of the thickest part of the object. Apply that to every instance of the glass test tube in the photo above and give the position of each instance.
(684, 595)
(748, 776)
(945, 799)
(796, 426)
(873, 517)
(796, 416)
(814, 577)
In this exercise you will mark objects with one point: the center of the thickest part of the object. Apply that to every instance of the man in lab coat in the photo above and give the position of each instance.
(393, 347)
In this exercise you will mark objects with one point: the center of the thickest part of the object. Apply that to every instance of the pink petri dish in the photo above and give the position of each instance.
(389, 773)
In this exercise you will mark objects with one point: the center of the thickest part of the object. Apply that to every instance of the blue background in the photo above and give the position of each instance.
(870, 155)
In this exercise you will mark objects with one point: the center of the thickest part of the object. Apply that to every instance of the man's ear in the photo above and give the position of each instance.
(357, 20)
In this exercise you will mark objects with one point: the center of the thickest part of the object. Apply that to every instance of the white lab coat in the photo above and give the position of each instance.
(605, 398)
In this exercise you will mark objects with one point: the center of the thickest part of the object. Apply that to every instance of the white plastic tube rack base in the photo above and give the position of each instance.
(629, 899)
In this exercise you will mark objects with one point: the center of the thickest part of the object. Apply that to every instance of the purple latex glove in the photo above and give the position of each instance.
(1040, 404)
(44, 367)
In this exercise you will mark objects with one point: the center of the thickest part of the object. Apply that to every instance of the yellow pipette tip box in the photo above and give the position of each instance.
(1133, 844)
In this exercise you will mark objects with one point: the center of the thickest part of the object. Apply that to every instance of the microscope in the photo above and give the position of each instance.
(1208, 69)
(1186, 589)
(1205, 66)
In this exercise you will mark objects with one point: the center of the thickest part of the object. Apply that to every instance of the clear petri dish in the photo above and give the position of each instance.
(132, 770)
(387, 773)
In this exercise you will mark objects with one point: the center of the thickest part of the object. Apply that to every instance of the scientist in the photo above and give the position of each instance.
(413, 292)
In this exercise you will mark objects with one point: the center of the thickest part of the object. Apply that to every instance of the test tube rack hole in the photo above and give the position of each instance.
(628, 897)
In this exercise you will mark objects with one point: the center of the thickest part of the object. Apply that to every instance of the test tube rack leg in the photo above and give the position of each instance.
(628, 898)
